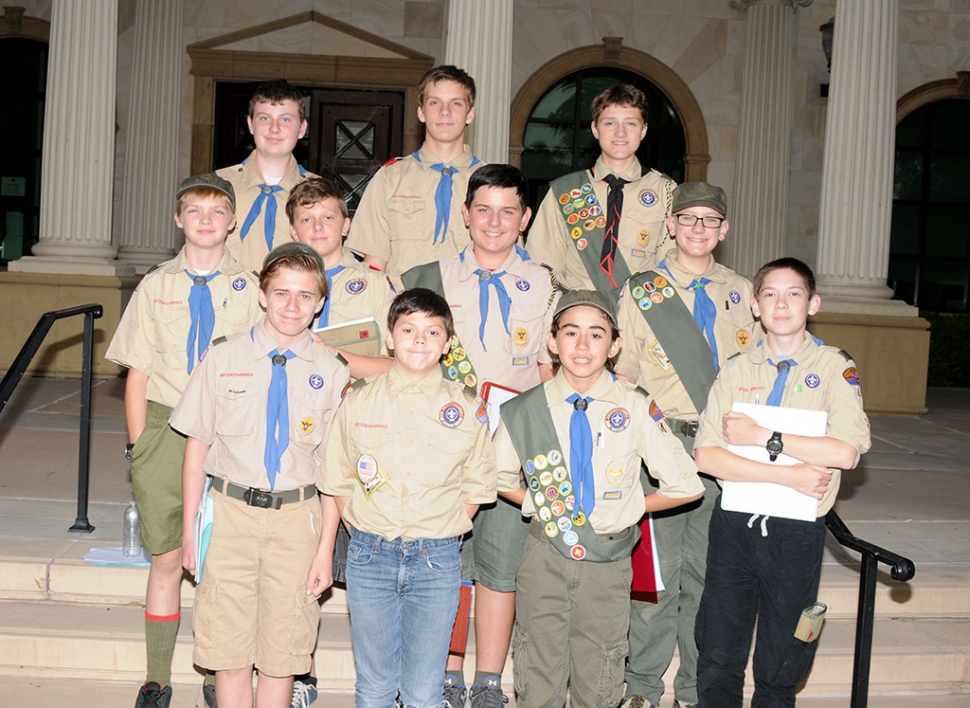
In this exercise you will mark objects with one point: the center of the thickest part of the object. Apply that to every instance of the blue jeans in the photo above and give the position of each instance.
(403, 598)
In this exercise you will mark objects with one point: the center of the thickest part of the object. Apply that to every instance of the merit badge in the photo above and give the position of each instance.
(575, 193)
(586, 188)
(544, 513)
(579, 203)
(735, 296)
(239, 284)
(533, 484)
(581, 244)
(523, 285)
(658, 353)
(649, 287)
(595, 210)
(555, 457)
(564, 199)
(648, 197)
(572, 219)
(570, 538)
(638, 292)
(614, 472)
(369, 475)
(645, 304)
(552, 530)
(539, 499)
(668, 291)
(617, 419)
(530, 467)
(600, 221)
(655, 412)
(657, 297)
(545, 479)
(570, 503)
(660, 282)
(590, 198)
(470, 380)
(576, 233)
(564, 524)
(565, 488)
(446, 359)
(459, 353)
(579, 518)
(584, 213)
(541, 462)
(812, 380)
(316, 381)
(307, 425)
(851, 375)
(743, 339)
(451, 415)
(643, 237)
(521, 336)
(559, 474)
(552, 493)
(558, 508)
(465, 367)
(568, 209)
(589, 224)
(578, 552)
(453, 373)
(356, 286)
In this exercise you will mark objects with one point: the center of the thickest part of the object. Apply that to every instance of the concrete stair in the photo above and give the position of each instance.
(67, 620)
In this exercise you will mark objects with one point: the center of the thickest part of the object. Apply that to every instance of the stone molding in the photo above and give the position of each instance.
(941, 90)
(13, 23)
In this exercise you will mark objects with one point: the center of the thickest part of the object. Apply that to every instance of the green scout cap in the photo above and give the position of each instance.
(691, 194)
(586, 297)
(208, 180)
(293, 248)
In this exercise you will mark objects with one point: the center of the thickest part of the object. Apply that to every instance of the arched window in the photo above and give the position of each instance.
(929, 257)
(558, 139)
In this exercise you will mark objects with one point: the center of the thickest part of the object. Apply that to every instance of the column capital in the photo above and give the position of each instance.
(742, 5)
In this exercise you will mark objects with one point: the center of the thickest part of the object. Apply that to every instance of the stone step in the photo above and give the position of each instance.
(105, 642)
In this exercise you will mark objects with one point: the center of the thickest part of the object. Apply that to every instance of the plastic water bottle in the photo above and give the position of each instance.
(131, 540)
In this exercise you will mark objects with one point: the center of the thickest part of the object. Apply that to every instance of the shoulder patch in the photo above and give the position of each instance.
(845, 354)
(393, 160)
(217, 341)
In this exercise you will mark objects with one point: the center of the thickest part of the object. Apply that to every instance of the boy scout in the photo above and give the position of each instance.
(573, 584)
(277, 120)
(772, 568)
(597, 227)
(502, 304)
(174, 313)
(409, 214)
(409, 461)
(682, 320)
(256, 414)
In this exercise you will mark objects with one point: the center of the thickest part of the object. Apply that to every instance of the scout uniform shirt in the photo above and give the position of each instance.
(409, 454)
(225, 403)
(627, 427)
(643, 229)
(249, 185)
(643, 359)
(153, 334)
(824, 379)
(508, 358)
(357, 292)
(397, 217)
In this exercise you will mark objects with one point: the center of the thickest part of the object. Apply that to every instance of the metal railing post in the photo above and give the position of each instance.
(81, 523)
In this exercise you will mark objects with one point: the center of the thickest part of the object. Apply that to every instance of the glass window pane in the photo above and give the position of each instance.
(947, 232)
(902, 278)
(592, 86)
(904, 238)
(355, 139)
(548, 149)
(948, 178)
(943, 286)
(950, 120)
(910, 132)
(908, 175)
(558, 104)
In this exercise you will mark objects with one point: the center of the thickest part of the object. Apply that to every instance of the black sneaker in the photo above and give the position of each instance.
(209, 695)
(488, 695)
(151, 695)
(456, 695)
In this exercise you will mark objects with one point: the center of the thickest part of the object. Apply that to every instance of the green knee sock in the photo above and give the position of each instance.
(160, 634)
(210, 678)
(482, 678)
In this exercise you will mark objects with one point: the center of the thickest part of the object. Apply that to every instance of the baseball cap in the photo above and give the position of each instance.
(586, 297)
(292, 248)
(208, 180)
(691, 194)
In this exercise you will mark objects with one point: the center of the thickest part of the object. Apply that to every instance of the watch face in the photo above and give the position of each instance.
(774, 445)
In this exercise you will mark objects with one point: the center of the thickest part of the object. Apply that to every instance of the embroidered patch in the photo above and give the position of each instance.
(520, 361)
(581, 244)
(570, 538)
(307, 425)
(521, 336)
(655, 412)
(481, 415)
(648, 197)
(618, 419)
(600, 221)
(545, 479)
(533, 484)
(539, 499)
(564, 198)
(660, 281)
(576, 233)
(239, 284)
(643, 237)
(572, 219)
(590, 198)
(614, 472)
(645, 304)
(568, 209)
(316, 381)
(637, 253)
(464, 367)
(555, 457)
(356, 286)
(579, 518)
(552, 493)
(584, 213)
(638, 292)
(586, 188)
(558, 508)
(649, 287)
(565, 488)
(564, 523)
(544, 513)
(559, 474)
(570, 503)
(369, 475)
(735, 296)
(523, 285)
(590, 224)
(743, 339)
(668, 291)
(657, 297)
(658, 353)
(851, 375)
(470, 381)
(613, 495)
(812, 380)
(451, 415)
(595, 210)
(343, 394)
(541, 461)
(574, 193)
(552, 530)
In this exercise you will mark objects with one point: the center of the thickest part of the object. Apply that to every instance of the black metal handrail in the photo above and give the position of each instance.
(15, 373)
(903, 569)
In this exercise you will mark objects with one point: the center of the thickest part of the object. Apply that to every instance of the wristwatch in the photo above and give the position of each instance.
(128, 448)
(774, 446)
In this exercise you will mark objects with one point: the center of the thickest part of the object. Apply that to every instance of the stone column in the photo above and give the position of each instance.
(857, 170)
(78, 158)
(148, 234)
(759, 215)
(487, 57)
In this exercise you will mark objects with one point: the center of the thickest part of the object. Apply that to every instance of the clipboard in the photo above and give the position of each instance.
(361, 336)
(494, 396)
(768, 498)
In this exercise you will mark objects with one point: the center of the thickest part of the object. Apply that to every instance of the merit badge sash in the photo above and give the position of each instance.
(678, 333)
(550, 485)
(455, 365)
(585, 220)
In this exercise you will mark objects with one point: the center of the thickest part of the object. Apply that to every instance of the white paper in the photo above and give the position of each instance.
(495, 396)
(767, 498)
(202, 528)
(115, 556)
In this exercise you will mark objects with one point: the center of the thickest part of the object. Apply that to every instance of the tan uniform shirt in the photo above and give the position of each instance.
(154, 330)
(395, 221)
(643, 230)
(358, 292)
(427, 443)
(617, 451)
(246, 180)
(642, 357)
(823, 380)
(507, 358)
(224, 406)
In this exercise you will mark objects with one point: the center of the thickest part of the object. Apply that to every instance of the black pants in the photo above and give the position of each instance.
(774, 577)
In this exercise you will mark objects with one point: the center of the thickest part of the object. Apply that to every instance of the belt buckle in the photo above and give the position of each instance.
(255, 497)
(689, 428)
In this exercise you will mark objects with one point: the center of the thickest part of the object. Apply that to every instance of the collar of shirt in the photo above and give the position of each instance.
(511, 265)
(761, 353)
(684, 276)
(631, 174)
(605, 389)
(227, 265)
(263, 342)
(462, 162)
(252, 177)
(349, 261)
(430, 386)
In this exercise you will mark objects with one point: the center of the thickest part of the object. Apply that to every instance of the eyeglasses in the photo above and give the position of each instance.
(709, 222)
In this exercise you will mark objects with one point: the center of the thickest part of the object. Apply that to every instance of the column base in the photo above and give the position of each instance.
(64, 265)
(143, 261)
(891, 353)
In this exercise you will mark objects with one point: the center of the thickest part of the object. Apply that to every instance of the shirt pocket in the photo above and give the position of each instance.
(379, 443)
(526, 335)
(616, 464)
(238, 408)
(407, 219)
(310, 413)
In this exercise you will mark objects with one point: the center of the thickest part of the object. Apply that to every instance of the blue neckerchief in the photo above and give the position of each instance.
(324, 319)
(277, 416)
(784, 367)
(269, 222)
(581, 454)
(203, 317)
(442, 196)
(705, 311)
(486, 278)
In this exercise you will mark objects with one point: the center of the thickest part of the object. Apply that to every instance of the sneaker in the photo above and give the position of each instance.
(488, 696)
(456, 695)
(303, 694)
(209, 695)
(637, 702)
(151, 695)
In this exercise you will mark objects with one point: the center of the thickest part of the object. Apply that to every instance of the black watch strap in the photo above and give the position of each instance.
(128, 448)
